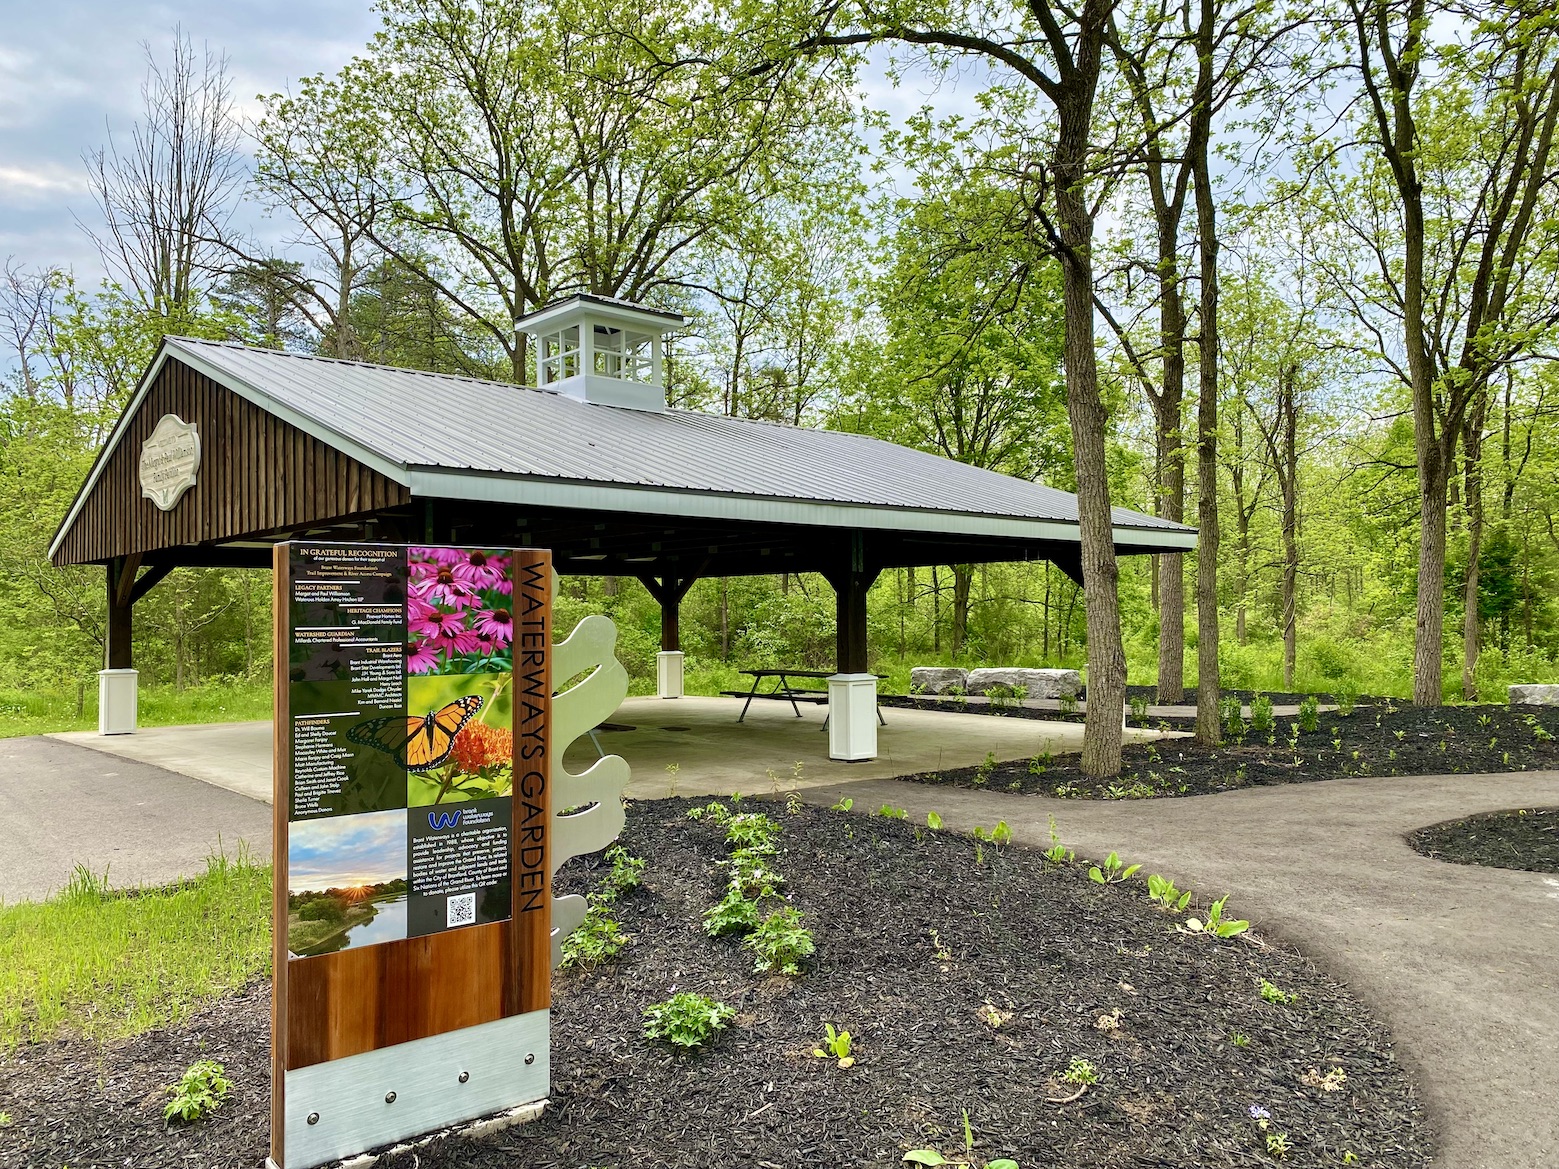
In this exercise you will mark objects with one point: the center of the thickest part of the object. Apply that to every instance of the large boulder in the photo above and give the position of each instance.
(937, 679)
(1030, 683)
(1533, 694)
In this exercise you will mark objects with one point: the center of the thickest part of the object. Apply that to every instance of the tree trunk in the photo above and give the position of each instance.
(1171, 460)
(1101, 756)
(1472, 447)
(725, 619)
(1288, 421)
(1432, 484)
(1208, 730)
(936, 613)
(963, 577)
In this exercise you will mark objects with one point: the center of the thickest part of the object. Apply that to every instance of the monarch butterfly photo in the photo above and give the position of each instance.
(419, 742)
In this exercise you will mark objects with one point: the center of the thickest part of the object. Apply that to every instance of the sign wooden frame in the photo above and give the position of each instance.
(378, 1042)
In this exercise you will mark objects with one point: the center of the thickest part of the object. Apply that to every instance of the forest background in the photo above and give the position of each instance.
(1323, 304)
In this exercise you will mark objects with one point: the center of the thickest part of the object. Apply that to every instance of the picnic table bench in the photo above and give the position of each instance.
(783, 690)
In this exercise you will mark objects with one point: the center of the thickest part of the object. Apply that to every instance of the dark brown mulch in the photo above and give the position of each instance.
(915, 937)
(1379, 740)
(1523, 838)
(75, 1103)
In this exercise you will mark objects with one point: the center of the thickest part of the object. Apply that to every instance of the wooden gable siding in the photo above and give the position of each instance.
(258, 475)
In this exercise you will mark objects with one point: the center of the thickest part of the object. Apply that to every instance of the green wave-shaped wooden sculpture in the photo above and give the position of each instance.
(598, 790)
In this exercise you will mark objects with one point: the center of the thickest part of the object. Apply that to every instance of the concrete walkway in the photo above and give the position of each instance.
(145, 825)
(235, 756)
(1462, 962)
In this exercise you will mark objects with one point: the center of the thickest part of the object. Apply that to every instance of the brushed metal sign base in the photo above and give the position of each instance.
(338, 1109)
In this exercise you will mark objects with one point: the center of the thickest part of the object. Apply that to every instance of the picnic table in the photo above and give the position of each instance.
(783, 689)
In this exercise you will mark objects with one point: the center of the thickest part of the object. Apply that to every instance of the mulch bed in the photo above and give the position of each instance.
(916, 941)
(1523, 838)
(1372, 740)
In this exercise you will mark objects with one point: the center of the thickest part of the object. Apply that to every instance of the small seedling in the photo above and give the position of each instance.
(889, 812)
(199, 1092)
(1000, 836)
(993, 1015)
(686, 1020)
(1239, 1039)
(1332, 1081)
(1112, 872)
(1277, 1145)
(1057, 853)
(836, 1045)
(1276, 994)
(1162, 891)
(1216, 924)
(843, 805)
(933, 821)
(982, 773)
(932, 1157)
(1080, 1072)
(942, 952)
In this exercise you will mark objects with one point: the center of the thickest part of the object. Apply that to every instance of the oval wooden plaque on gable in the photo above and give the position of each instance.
(170, 461)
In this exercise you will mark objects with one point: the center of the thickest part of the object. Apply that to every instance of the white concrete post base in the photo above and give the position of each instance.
(852, 717)
(117, 695)
(668, 673)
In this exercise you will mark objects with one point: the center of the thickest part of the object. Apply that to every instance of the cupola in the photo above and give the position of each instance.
(598, 349)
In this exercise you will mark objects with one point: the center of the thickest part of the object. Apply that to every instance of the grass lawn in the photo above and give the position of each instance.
(113, 964)
(42, 712)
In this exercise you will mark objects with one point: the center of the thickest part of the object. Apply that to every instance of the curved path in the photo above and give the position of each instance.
(1462, 962)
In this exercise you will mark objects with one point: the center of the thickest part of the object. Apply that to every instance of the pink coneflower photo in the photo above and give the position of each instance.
(496, 625)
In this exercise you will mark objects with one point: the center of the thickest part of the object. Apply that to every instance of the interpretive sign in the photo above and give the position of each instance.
(413, 885)
(170, 461)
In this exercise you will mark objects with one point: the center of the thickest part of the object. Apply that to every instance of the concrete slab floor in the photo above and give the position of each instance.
(711, 752)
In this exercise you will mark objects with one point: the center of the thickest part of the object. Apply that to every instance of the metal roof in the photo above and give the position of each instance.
(463, 438)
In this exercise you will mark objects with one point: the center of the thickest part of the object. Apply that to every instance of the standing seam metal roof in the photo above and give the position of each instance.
(416, 419)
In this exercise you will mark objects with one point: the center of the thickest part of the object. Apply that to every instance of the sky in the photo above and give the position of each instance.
(340, 851)
(71, 70)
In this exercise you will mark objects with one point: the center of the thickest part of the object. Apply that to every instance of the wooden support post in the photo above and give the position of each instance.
(121, 582)
(851, 583)
(669, 591)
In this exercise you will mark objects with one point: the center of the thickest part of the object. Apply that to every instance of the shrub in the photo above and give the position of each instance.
(1309, 713)
(752, 830)
(733, 914)
(782, 943)
(1261, 717)
(200, 1091)
(597, 941)
(686, 1020)
(625, 875)
(751, 874)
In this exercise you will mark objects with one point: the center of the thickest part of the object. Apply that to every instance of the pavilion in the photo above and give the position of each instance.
(226, 449)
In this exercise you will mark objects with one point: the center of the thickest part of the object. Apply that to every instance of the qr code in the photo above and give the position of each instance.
(462, 909)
